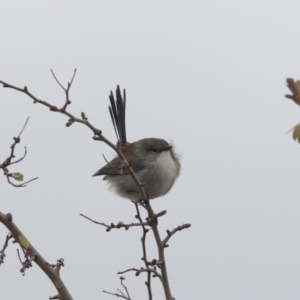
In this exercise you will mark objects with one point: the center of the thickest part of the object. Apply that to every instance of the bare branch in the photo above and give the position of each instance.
(144, 258)
(58, 265)
(142, 270)
(117, 295)
(99, 137)
(70, 83)
(118, 225)
(58, 80)
(170, 233)
(125, 288)
(121, 295)
(31, 254)
(84, 120)
(21, 184)
(8, 162)
(20, 159)
(2, 251)
(23, 127)
(68, 101)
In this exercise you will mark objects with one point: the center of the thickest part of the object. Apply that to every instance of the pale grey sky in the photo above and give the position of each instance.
(207, 75)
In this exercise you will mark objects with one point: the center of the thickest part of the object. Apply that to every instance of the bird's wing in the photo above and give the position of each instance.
(116, 167)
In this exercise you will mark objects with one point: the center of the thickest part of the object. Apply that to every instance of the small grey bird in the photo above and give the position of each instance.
(153, 160)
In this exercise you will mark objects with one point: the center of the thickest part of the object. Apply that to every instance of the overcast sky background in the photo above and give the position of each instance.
(208, 76)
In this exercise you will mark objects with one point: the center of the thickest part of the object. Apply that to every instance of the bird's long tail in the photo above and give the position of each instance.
(117, 112)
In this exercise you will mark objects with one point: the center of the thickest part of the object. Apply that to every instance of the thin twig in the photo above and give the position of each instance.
(58, 80)
(118, 225)
(74, 74)
(144, 258)
(68, 101)
(142, 270)
(21, 184)
(124, 286)
(117, 295)
(2, 251)
(121, 295)
(170, 233)
(20, 159)
(8, 161)
(23, 127)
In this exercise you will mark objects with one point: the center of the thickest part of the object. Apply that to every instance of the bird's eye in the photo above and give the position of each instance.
(154, 150)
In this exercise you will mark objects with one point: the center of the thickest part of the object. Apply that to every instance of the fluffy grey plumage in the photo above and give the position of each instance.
(154, 163)
(153, 160)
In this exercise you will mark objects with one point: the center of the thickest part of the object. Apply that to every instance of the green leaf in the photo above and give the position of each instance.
(23, 241)
(18, 176)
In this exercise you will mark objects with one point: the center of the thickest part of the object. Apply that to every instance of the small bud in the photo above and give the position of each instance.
(18, 176)
(69, 123)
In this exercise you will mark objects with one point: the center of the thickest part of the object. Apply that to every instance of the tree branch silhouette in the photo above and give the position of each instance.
(8, 162)
(150, 267)
(31, 254)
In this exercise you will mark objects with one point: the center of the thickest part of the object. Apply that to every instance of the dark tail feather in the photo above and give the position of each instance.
(117, 113)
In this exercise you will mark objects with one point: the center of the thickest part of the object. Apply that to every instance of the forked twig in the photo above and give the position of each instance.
(121, 294)
(99, 137)
(8, 162)
(117, 226)
(2, 251)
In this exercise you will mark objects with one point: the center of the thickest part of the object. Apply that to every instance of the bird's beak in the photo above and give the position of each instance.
(166, 148)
